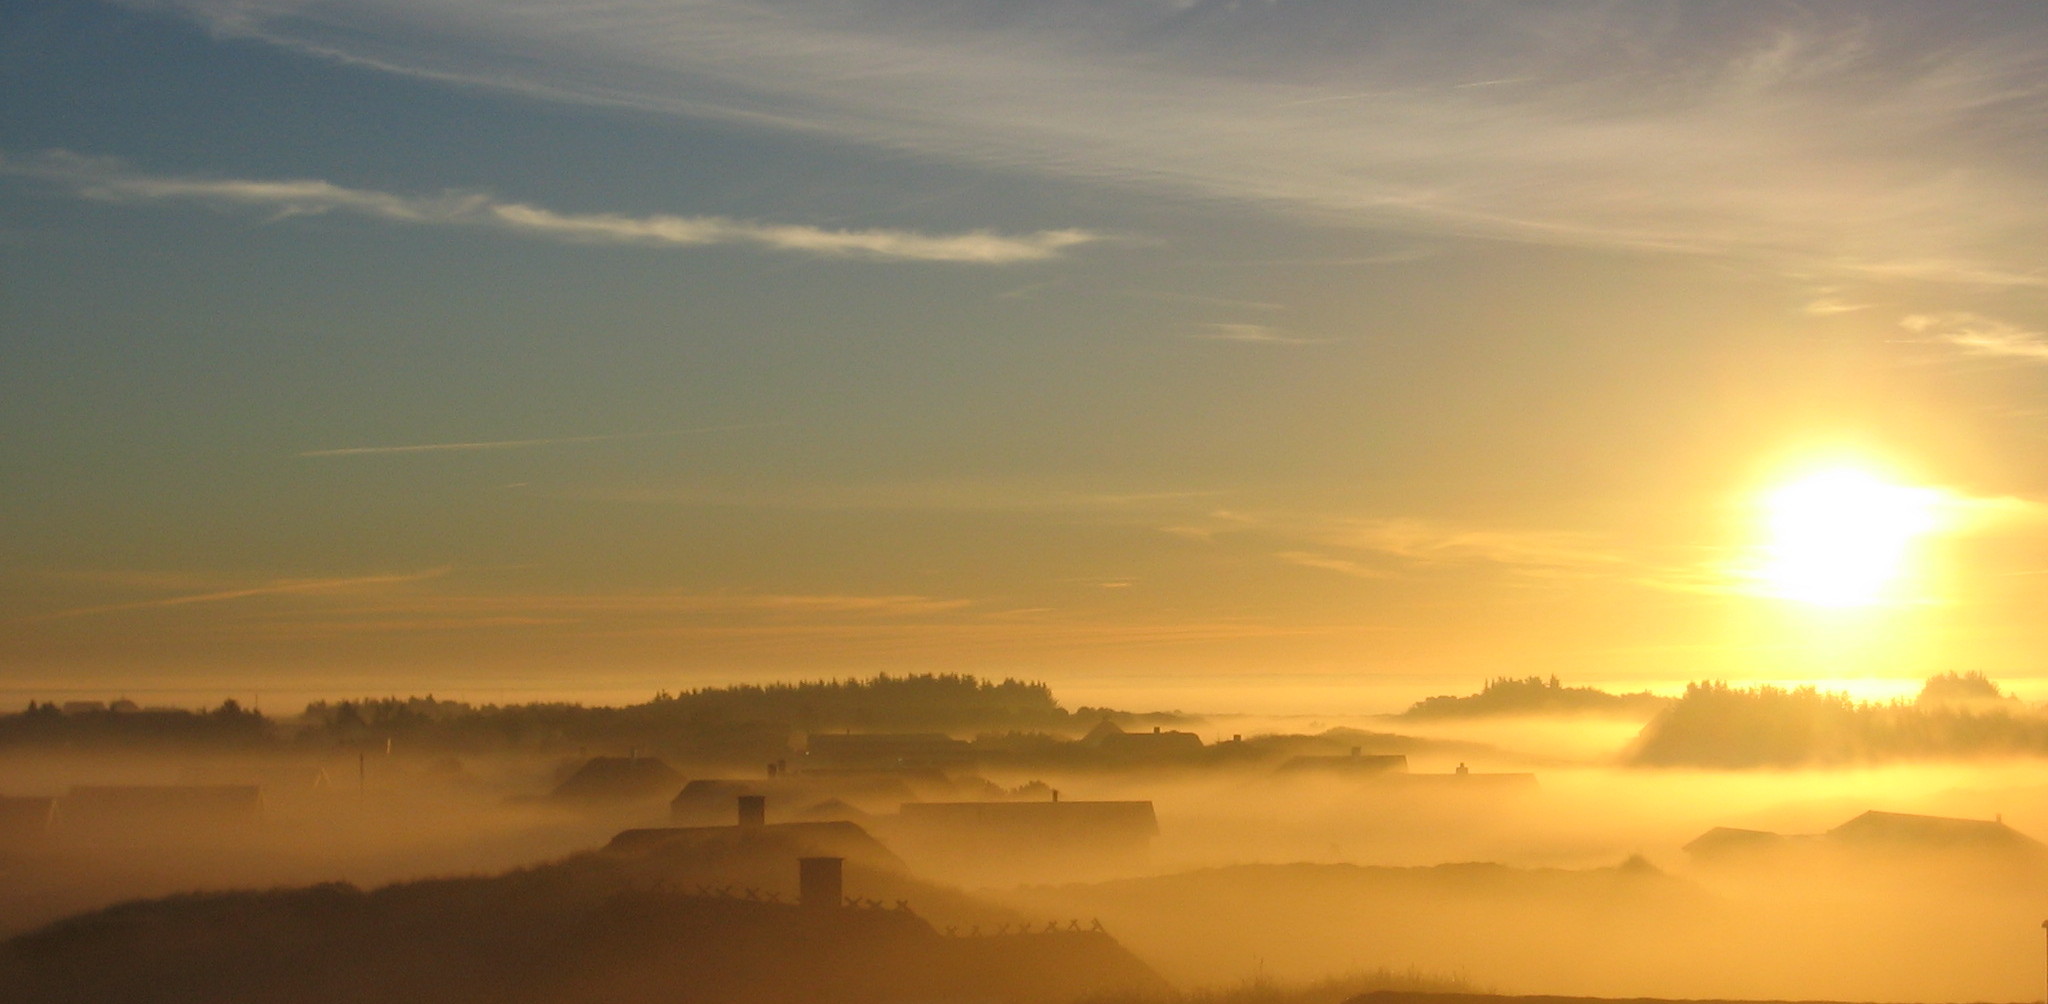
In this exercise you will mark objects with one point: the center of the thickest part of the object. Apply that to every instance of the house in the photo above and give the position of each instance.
(1900, 831)
(1726, 844)
(616, 779)
(1159, 743)
(784, 797)
(743, 832)
(1891, 837)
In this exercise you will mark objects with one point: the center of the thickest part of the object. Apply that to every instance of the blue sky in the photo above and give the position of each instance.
(577, 348)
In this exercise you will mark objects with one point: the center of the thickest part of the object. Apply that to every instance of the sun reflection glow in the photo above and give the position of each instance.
(1844, 537)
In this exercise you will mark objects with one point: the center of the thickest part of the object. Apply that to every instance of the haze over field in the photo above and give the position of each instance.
(1374, 495)
(1397, 851)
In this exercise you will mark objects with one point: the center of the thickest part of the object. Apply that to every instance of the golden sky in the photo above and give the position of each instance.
(580, 349)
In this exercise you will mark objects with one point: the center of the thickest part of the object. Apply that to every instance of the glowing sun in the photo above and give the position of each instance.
(1844, 537)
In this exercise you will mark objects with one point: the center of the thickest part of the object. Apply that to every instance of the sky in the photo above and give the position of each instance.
(1274, 356)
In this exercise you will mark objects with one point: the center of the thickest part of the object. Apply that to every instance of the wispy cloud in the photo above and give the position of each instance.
(1388, 546)
(1331, 563)
(1873, 141)
(279, 587)
(1255, 334)
(1422, 541)
(938, 495)
(512, 444)
(820, 624)
(1829, 304)
(1977, 335)
(112, 181)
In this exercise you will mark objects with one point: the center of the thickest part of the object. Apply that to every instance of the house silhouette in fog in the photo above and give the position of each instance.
(1729, 844)
(1108, 738)
(744, 830)
(1905, 831)
(617, 778)
(1874, 834)
(710, 800)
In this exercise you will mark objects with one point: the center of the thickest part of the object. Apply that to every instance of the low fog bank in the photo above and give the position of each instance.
(1579, 885)
(1586, 885)
(318, 819)
(688, 916)
(1517, 852)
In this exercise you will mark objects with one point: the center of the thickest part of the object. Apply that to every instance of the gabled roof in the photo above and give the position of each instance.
(1103, 731)
(1906, 830)
(1733, 840)
(608, 777)
(835, 838)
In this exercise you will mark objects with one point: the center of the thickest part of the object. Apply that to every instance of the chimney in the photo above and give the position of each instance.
(820, 883)
(1155, 730)
(753, 811)
(1355, 750)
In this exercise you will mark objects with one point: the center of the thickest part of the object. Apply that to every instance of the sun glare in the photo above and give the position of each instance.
(1844, 537)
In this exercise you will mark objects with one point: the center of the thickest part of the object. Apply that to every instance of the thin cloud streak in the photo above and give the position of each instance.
(513, 444)
(110, 181)
(1980, 336)
(944, 495)
(1254, 334)
(281, 587)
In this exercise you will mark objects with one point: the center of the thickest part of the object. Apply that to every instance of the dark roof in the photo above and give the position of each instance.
(617, 777)
(1103, 729)
(1723, 840)
(1880, 832)
(1109, 738)
(1906, 830)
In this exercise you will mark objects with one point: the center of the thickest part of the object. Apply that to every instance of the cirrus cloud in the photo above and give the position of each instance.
(111, 181)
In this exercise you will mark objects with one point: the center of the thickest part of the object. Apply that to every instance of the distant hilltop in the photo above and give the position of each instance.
(1534, 695)
(1955, 715)
(748, 721)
